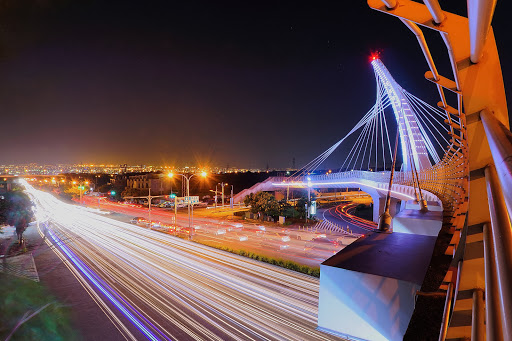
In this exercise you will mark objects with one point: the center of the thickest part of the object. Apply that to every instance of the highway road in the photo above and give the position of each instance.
(155, 286)
(265, 240)
(343, 215)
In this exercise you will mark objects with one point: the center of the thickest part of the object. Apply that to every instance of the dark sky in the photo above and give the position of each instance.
(238, 83)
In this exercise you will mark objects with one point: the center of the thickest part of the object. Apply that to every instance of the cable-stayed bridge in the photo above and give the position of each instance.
(421, 135)
(372, 289)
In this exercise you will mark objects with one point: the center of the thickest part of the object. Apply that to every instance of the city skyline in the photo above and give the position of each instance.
(56, 169)
(247, 85)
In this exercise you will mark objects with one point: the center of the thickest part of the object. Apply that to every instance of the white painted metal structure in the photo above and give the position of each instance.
(413, 143)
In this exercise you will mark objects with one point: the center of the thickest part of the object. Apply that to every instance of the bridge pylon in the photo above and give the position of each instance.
(412, 143)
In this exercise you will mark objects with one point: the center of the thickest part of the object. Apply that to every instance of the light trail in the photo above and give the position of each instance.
(340, 213)
(180, 290)
(343, 212)
(105, 289)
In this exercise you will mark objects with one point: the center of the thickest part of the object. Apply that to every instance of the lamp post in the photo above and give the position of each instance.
(222, 184)
(149, 205)
(187, 179)
(96, 182)
(222, 189)
(216, 197)
(231, 199)
(81, 187)
(149, 197)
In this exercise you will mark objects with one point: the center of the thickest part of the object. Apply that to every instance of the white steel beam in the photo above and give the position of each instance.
(480, 14)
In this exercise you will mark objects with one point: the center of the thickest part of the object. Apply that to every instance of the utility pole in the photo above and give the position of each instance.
(149, 206)
(175, 209)
(231, 199)
(149, 197)
(216, 197)
(80, 187)
(187, 180)
(222, 184)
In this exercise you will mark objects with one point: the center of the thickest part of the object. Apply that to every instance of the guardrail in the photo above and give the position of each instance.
(499, 241)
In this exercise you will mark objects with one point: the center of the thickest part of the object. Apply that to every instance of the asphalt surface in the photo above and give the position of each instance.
(87, 317)
(341, 215)
(156, 286)
(272, 241)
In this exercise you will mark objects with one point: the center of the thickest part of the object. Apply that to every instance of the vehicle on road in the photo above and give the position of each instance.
(321, 245)
(139, 221)
(278, 235)
(219, 232)
(154, 224)
(274, 246)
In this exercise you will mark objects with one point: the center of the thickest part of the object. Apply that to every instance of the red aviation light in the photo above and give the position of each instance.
(374, 56)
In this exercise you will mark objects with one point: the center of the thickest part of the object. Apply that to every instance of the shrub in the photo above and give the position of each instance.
(287, 264)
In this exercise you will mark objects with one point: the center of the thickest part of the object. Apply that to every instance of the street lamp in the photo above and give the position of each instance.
(216, 197)
(231, 199)
(222, 184)
(81, 187)
(187, 178)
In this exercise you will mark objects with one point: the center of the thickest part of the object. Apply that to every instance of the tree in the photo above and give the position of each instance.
(263, 203)
(16, 210)
(287, 210)
(300, 206)
(105, 188)
(134, 192)
(249, 200)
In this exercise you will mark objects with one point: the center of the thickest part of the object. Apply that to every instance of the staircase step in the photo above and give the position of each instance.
(460, 325)
(465, 304)
(450, 250)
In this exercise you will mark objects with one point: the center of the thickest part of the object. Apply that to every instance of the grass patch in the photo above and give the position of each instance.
(19, 298)
(287, 264)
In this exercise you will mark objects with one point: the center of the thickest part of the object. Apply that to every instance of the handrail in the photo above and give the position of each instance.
(501, 230)
(492, 311)
(499, 138)
(446, 313)
(477, 317)
(435, 10)
(480, 13)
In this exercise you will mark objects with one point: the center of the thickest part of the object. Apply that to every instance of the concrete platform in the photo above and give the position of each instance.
(20, 266)
(367, 290)
(416, 222)
(432, 205)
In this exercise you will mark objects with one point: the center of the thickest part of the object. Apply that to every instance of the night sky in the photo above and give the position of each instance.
(235, 83)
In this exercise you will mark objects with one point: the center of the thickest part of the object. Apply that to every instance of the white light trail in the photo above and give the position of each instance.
(181, 290)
